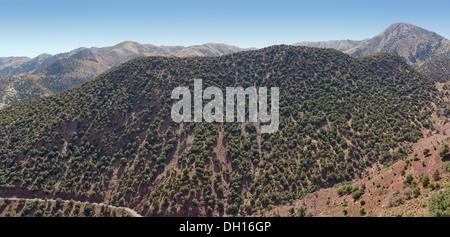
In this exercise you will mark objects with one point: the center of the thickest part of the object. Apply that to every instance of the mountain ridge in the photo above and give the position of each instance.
(133, 49)
(67, 70)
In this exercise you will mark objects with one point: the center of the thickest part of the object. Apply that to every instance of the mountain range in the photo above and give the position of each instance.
(24, 78)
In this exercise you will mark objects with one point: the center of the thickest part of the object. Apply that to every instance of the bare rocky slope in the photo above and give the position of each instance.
(414, 44)
(341, 45)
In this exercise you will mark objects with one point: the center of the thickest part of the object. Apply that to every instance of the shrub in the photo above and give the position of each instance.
(416, 192)
(344, 190)
(357, 194)
(439, 205)
(88, 209)
(362, 211)
(436, 175)
(425, 181)
(408, 180)
(301, 212)
(446, 166)
(123, 161)
(395, 200)
(444, 151)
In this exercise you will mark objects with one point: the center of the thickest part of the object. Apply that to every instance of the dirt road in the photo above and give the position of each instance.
(129, 210)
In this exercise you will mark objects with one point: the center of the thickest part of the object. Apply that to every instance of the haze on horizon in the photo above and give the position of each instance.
(30, 28)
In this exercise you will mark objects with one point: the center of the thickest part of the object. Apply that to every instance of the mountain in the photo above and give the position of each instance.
(54, 73)
(414, 44)
(27, 65)
(341, 45)
(111, 56)
(16, 89)
(112, 140)
(12, 61)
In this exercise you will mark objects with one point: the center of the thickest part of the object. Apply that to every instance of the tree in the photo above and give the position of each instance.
(88, 209)
(408, 180)
(425, 181)
(123, 161)
(302, 211)
(209, 210)
(59, 202)
(362, 211)
(444, 151)
(446, 166)
(436, 175)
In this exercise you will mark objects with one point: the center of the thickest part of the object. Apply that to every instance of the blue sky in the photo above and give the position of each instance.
(31, 27)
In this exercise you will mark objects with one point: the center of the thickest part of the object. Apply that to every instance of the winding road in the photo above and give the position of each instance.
(129, 210)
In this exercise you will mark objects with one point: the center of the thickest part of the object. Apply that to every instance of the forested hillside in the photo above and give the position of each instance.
(437, 68)
(112, 139)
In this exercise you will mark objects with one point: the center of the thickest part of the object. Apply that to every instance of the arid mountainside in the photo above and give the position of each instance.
(341, 45)
(110, 56)
(414, 44)
(11, 62)
(112, 140)
(54, 73)
(15, 89)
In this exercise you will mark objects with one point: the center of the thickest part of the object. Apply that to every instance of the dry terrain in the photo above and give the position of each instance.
(385, 193)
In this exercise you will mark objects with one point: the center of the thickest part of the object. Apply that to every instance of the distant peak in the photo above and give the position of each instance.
(414, 44)
(127, 43)
(43, 56)
(402, 26)
(214, 44)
